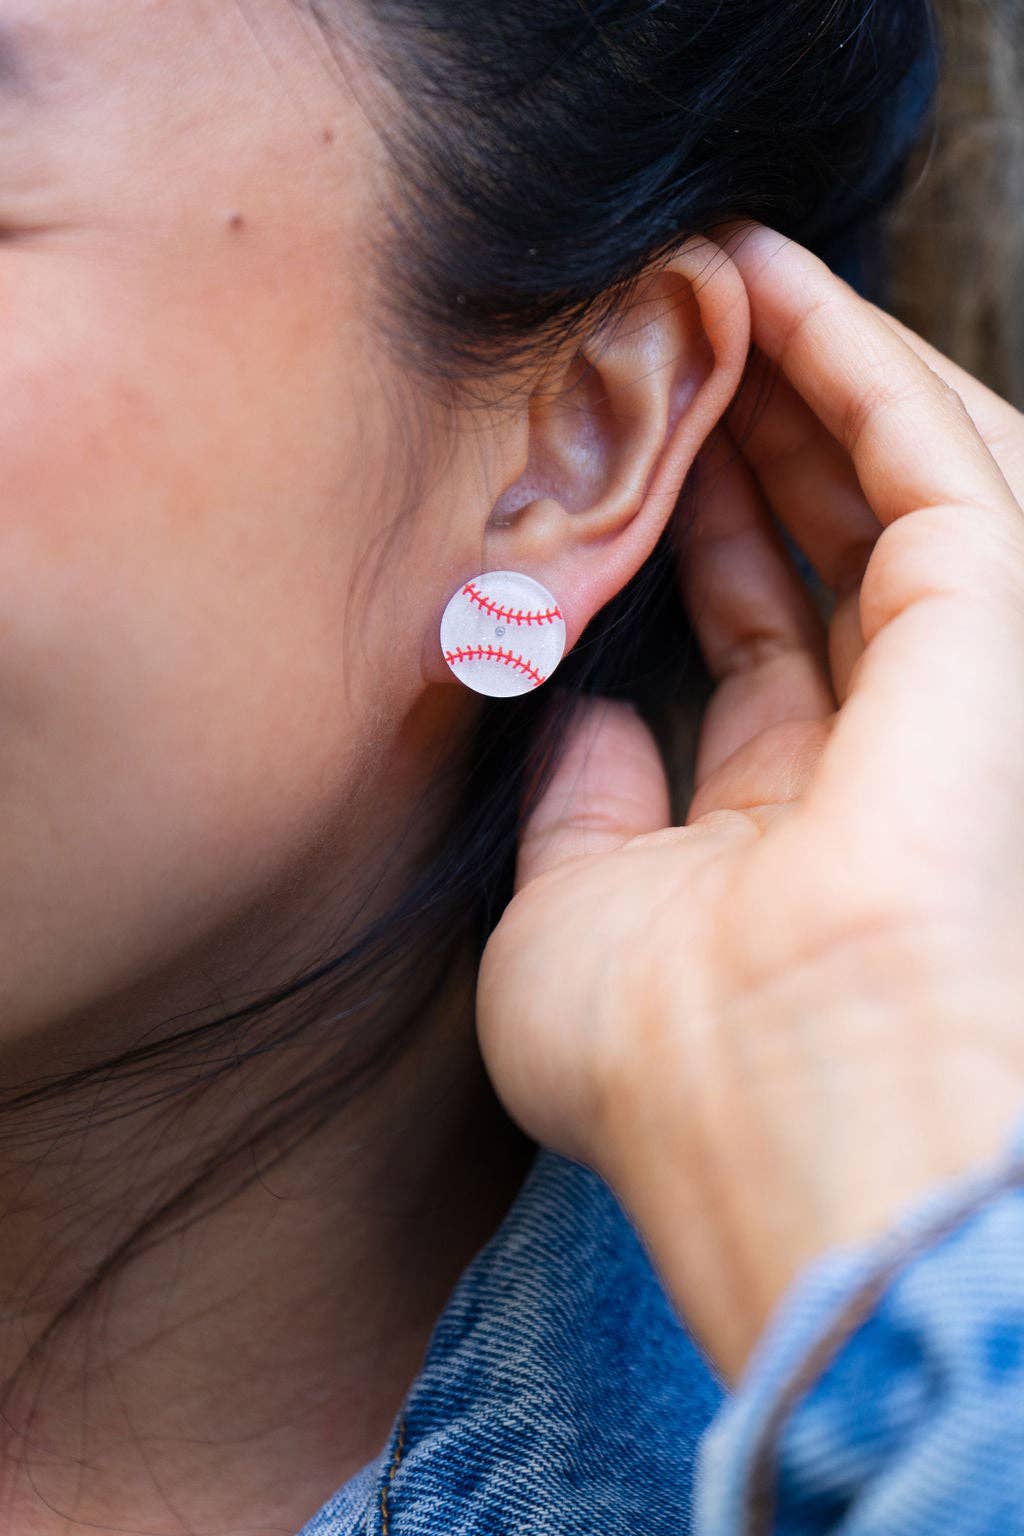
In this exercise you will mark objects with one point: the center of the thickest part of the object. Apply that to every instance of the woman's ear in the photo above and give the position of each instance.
(612, 431)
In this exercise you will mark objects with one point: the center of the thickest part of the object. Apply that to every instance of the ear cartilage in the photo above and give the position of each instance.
(502, 634)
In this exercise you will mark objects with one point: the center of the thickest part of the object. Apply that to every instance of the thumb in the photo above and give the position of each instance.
(609, 785)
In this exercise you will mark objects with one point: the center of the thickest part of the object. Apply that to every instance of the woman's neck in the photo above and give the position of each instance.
(234, 1373)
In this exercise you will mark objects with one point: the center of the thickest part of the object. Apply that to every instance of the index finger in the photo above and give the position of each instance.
(911, 439)
(927, 750)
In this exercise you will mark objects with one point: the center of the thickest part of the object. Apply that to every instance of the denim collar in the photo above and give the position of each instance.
(558, 1394)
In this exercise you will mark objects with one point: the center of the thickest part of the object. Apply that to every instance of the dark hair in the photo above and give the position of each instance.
(548, 151)
(545, 153)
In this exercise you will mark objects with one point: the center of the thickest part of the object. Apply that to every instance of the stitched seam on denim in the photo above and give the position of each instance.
(759, 1514)
(385, 1516)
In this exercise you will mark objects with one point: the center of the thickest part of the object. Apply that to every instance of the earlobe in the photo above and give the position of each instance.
(614, 429)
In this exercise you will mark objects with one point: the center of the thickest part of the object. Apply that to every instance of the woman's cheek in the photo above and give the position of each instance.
(172, 715)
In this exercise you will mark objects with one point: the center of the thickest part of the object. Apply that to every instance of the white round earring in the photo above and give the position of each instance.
(502, 634)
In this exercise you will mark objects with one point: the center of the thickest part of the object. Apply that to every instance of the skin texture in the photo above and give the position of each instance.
(230, 522)
(223, 713)
(781, 1023)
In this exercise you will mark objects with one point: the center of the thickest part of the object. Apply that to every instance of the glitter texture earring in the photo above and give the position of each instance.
(502, 634)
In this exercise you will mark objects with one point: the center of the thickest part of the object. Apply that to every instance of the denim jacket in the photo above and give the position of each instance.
(560, 1395)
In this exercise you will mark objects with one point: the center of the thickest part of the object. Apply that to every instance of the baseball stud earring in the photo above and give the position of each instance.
(502, 634)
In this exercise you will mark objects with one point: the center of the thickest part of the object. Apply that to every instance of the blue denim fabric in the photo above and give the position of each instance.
(560, 1395)
(887, 1397)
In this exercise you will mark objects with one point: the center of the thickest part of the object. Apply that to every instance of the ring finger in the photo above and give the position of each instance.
(808, 481)
(759, 632)
(805, 475)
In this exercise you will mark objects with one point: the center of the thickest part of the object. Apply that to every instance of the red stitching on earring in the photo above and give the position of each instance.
(494, 653)
(513, 616)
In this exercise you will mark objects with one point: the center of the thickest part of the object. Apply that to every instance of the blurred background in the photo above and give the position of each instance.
(955, 241)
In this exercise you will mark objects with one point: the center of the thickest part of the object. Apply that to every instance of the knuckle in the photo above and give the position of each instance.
(754, 649)
(880, 394)
(717, 820)
(953, 398)
(861, 411)
(809, 317)
(939, 551)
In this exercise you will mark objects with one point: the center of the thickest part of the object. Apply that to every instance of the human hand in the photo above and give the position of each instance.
(773, 1027)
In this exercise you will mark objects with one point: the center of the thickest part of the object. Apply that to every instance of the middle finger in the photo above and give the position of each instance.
(806, 477)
